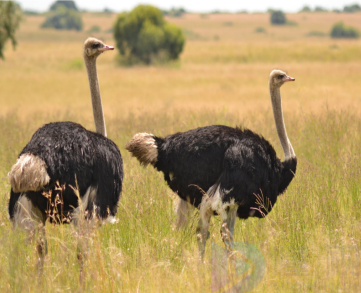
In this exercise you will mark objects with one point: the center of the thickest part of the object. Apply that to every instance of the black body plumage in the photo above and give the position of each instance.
(241, 162)
(73, 154)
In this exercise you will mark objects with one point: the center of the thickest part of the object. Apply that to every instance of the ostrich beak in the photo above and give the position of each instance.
(106, 48)
(288, 78)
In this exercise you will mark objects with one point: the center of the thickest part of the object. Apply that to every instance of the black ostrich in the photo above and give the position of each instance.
(63, 155)
(218, 169)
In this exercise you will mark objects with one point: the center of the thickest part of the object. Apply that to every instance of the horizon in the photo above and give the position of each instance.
(191, 6)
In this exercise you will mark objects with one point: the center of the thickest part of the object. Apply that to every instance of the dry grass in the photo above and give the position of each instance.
(230, 72)
(311, 240)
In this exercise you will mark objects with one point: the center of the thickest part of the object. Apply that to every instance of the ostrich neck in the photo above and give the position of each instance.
(280, 124)
(95, 96)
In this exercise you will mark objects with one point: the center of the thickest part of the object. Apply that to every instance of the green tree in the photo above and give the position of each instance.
(143, 34)
(278, 18)
(68, 4)
(339, 30)
(10, 17)
(320, 9)
(306, 9)
(352, 8)
(63, 19)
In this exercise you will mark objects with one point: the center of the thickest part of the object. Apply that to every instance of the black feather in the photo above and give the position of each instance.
(243, 163)
(71, 154)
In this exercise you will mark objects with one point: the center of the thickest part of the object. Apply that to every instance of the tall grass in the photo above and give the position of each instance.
(311, 239)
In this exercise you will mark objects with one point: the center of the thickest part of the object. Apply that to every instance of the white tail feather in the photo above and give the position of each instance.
(28, 174)
(143, 146)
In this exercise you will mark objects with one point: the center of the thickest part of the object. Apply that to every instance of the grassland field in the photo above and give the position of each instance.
(311, 241)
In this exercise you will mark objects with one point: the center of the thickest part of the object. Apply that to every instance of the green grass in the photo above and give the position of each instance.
(310, 240)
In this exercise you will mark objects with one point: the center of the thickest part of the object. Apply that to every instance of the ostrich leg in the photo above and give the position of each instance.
(227, 229)
(202, 231)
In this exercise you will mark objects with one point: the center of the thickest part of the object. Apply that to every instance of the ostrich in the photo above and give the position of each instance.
(222, 170)
(62, 156)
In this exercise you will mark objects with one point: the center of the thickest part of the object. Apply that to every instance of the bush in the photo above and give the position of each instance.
(174, 12)
(143, 35)
(306, 9)
(68, 4)
(278, 18)
(320, 9)
(63, 19)
(352, 8)
(339, 30)
(260, 30)
(94, 29)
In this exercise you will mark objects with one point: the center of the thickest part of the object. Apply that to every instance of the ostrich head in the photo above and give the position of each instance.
(94, 47)
(278, 78)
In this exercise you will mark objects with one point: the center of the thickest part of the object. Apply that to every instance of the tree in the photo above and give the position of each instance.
(339, 30)
(278, 17)
(320, 9)
(63, 19)
(143, 34)
(68, 4)
(10, 17)
(306, 9)
(175, 12)
(352, 8)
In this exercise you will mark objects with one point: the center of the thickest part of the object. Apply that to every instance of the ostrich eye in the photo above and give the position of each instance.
(281, 76)
(95, 45)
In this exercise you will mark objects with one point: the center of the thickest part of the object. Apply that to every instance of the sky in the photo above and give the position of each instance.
(194, 5)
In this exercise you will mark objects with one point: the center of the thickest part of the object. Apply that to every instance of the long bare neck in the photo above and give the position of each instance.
(98, 114)
(280, 124)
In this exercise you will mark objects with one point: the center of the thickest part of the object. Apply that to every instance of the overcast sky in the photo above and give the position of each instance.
(194, 5)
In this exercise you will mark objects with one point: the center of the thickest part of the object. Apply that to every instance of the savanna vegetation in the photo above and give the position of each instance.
(340, 30)
(10, 17)
(61, 17)
(310, 241)
(143, 35)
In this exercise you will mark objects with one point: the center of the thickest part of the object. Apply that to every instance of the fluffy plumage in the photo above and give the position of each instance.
(70, 152)
(241, 162)
(62, 156)
(223, 170)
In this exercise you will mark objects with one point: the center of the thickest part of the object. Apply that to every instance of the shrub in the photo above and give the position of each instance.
(260, 30)
(352, 8)
(339, 30)
(278, 18)
(63, 19)
(175, 12)
(94, 29)
(143, 35)
(320, 9)
(306, 9)
(66, 3)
